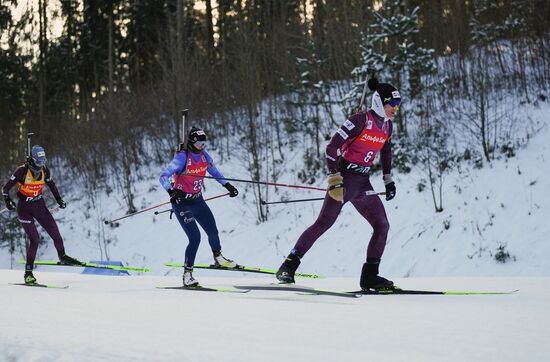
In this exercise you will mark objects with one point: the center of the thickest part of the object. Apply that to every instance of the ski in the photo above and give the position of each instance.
(89, 265)
(206, 289)
(241, 268)
(299, 289)
(400, 291)
(38, 285)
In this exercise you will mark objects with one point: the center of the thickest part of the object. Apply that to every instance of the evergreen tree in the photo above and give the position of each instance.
(389, 48)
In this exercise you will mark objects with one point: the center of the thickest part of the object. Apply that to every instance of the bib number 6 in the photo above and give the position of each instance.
(368, 156)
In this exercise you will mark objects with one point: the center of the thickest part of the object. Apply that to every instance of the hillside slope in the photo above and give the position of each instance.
(504, 204)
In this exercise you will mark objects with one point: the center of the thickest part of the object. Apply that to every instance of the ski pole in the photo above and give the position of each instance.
(260, 182)
(289, 201)
(208, 199)
(215, 197)
(135, 213)
(315, 199)
(153, 207)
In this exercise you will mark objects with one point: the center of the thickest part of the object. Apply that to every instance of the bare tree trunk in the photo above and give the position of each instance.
(42, 4)
(210, 32)
(110, 50)
(178, 66)
(483, 119)
(255, 164)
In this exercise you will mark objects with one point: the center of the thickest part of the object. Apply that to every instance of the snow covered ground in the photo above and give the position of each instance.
(128, 319)
(504, 204)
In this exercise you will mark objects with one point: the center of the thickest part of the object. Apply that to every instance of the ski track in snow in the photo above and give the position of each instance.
(127, 319)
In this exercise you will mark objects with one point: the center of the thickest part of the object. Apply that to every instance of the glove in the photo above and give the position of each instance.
(176, 196)
(10, 204)
(232, 190)
(390, 191)
(336, 186)
(62, 204)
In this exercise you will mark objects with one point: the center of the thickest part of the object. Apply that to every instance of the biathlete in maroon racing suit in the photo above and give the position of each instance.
(30, 179)
(188, 204)
(360, 139)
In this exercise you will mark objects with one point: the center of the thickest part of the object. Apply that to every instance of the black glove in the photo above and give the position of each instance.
(10, 204)
(232, 190)
(176, 196)
(390, 191)
(62, 204)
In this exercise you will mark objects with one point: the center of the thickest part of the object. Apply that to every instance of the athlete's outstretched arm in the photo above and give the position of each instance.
(213, 170)
(18, 176)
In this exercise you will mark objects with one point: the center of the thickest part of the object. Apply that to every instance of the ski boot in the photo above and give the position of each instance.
(29, 278)
(370, 280)
(64, 259)
(220, 260)
(286, 271)
(188, 280)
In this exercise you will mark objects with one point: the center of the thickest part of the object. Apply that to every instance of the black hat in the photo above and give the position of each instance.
(196, 140)
(196, 134)
(387, 92)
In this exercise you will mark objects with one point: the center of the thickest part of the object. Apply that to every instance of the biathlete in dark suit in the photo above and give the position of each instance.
(359, 140)
(30, 179)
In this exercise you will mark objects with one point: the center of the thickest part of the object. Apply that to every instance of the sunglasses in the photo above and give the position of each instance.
(395, 104)
(40, 162)
(200, 145)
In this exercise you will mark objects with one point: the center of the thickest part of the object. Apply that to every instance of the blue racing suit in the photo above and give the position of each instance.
(193, 210)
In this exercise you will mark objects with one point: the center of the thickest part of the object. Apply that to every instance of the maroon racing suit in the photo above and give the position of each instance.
(357, 187)
(30, 208)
